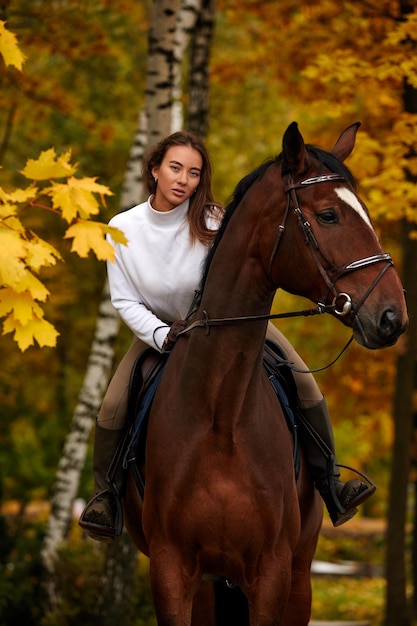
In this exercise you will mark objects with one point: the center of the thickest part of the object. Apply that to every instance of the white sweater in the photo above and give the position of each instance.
(153, 279)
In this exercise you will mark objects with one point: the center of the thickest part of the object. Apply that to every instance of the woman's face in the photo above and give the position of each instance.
(178, 177)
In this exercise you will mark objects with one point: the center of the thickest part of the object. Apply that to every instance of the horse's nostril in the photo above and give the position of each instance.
(390, 323)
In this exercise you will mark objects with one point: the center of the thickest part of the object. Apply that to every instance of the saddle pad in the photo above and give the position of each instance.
(138, 431)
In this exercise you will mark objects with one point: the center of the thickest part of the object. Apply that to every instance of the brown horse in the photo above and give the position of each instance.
(221, 498)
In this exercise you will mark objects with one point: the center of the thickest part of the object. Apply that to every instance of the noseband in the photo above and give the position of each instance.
(342, 302)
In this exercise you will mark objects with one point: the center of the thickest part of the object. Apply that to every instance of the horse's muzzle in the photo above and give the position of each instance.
(382, 332)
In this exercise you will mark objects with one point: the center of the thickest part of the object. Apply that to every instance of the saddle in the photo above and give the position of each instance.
(146, 375)
(282, 379)
(144, 381)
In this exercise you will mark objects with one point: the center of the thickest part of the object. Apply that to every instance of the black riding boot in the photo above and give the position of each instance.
(102, 517)
(317, 442)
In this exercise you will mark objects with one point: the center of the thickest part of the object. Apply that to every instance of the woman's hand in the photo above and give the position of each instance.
(171, 337)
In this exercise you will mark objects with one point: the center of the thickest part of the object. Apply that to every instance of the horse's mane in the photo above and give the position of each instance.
(324, 158)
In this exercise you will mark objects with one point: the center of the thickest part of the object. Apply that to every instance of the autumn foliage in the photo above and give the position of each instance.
(53, 187)
(322, 63)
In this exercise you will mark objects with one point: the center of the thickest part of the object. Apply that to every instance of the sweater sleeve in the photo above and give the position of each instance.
(128, 301)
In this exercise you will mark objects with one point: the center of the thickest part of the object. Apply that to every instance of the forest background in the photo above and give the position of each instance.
(324, 64)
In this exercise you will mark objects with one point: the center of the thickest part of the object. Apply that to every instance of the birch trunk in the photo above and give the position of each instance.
(116, 588)
(117, 582)
(198, 108)
(169, 37)
(186, 28)
(161, 69)
(75, 448)
(99, 367)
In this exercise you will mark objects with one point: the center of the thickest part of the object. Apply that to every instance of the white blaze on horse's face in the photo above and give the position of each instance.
(349, 198)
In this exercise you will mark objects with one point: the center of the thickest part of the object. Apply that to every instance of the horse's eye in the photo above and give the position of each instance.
(329, 216)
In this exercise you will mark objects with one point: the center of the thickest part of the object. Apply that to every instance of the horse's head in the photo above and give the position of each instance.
(327, 248)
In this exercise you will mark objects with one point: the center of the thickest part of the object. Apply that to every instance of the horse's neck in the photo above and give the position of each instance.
(237, 284)
(228, 356)
(225, 361)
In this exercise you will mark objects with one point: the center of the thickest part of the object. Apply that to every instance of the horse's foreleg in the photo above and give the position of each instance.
(298, 609)
(268, 598)
(204, 603)
(172, 590)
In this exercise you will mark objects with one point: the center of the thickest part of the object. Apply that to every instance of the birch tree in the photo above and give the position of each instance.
(117, 582)
(161, 68)
(198, 106)
(169, 36)
(115, 597)
(99, 367)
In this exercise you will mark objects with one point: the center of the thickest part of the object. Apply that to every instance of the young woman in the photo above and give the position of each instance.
(152, 283)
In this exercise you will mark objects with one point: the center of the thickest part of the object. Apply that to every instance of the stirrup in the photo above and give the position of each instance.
(99, 531)
(361, 497)
(339, 513)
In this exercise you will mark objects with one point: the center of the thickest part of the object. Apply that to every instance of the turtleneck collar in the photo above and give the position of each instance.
(167, 218)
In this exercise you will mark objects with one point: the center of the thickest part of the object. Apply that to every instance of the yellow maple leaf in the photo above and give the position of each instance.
(12, 271)
(91, 236)
(9, 48)
(7, 298)
(6, 208)
(11, 245)
(48, 166)
(14, 274)
(72, 202)
(75, 197)
(82, 193)
(32, 284)
(40, 253)
(37, 329)
(22, 305)
(62, 200)
(116, 234)
(84, 201)
(90, 184)
(11, 223)
(18, 195)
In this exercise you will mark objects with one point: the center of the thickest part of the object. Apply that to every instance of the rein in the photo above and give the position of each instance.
(206, 322)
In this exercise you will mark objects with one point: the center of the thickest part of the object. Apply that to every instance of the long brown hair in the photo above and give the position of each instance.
(202, 203)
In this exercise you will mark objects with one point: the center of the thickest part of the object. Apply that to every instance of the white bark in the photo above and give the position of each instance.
(186, 22)
(75, 447)
(198, 106)
(96, 379)
(132, 193)
(160, 70)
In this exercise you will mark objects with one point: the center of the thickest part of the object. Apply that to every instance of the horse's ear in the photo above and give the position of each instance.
(294, 150)
(344, 145)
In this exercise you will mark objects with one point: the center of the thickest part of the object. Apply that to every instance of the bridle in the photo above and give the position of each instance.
(342, 304)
